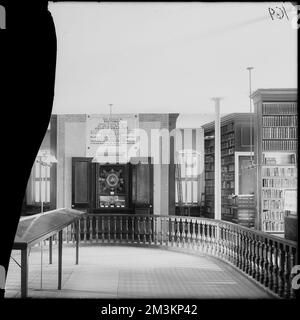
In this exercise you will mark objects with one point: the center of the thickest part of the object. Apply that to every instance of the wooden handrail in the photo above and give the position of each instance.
(267, 259)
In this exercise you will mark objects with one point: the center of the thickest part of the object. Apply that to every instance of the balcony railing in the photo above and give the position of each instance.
(265, 258)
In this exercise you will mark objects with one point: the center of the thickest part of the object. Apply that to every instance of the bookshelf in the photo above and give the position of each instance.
(276, 155)
(235, 139)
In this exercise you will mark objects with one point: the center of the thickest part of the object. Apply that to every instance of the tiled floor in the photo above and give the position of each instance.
(131, 272)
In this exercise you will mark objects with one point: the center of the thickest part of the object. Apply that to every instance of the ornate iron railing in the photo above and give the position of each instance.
(265, 258)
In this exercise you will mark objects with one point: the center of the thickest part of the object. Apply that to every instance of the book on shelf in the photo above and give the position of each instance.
(273, 226)
(280, 108)
(278, 159)
(276, 145)
(279, 133)
(279, 172)
(279, 183)
(280, 121)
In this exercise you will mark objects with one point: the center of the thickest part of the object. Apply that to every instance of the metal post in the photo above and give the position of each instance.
(40, 193)
(41, 280)
(77, 240)
(250, 109)
(59, 259)
(217, 208)
(24, 273)
(50, 250)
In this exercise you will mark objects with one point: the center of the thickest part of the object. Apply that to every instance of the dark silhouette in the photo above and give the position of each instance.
(29, 57)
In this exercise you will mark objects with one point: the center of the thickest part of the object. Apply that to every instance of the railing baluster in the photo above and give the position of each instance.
(172, 232)
(228, 243)
(193, 233)
(262, 262)
(243, 249)
(97, 228)
(126, 229)
(234, 245)
(103, 229)
(155, 231)
(115, 228)
(275, 267)
(150, 222)
(266, 266)
(239, 249)
(250, 254)
(292, 262)
(202, 237)
(121, 229)
(271, 264)
(91, 228)
(183, 234)
(286, 273)
(108, 229)
(188, 233)
(144, 230)
(138, 230)
(215, 230)
(132, 229)
(256, 258)
(198, 235)
(84, 229)
(177, 232)
(281, 271)
(222, 241)
(162, 220)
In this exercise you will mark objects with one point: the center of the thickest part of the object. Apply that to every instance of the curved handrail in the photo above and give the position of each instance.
(267, 259)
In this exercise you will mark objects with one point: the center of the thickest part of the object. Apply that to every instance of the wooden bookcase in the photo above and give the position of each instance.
(276, 155)
(235, 139)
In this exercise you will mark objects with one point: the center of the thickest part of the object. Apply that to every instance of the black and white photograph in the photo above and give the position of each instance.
(156, 156)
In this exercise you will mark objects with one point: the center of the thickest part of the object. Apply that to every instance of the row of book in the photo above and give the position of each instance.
(279, 172)
(248, 201)
(210, 183)
(228, 176)
(227, 160)
(227, 144)
(273, 215)
(209, 159)
(209, 190)
(285, 145)
(275, 226)
(272, 193)
(227, 152)
(273, 204)
(210, 150)
(228, 168)
(279, 183)
(226, 192)
(279, 108)
(267, 160)
(280, 133)
(209, 167)
(229, 127)
(227, 184)
(225, 210)
(279, 121)
(210, 175)
(228, 136)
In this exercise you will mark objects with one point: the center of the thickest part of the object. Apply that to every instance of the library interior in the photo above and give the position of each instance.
(226, 189)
